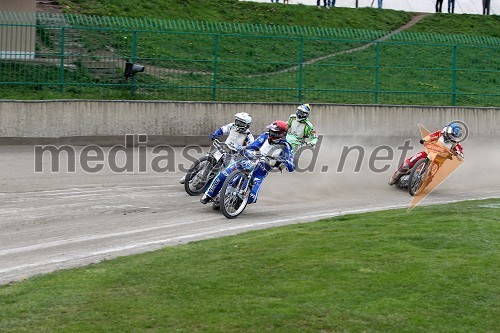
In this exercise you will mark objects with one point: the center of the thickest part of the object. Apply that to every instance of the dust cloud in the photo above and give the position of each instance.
(335, 174)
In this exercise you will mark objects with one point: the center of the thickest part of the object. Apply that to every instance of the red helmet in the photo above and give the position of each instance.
(277, 131)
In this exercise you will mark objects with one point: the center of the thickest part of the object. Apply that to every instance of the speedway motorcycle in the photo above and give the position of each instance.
(423, 172)
(204, 169)
(238, 185)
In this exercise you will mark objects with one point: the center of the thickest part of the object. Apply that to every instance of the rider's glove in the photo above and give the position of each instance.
(310, 144)
(422, 141)
(280, 166)
(249, 153)
(212, 137)
(245, 165)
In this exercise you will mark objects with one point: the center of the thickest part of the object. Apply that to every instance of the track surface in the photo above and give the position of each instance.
(51, 221)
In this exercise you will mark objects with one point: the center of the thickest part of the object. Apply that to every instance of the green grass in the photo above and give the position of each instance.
(434, 269)
(242, 12)
(465, 24)
(278, 14)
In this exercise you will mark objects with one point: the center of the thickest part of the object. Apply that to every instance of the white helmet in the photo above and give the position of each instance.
(242, 121)
(303, 112)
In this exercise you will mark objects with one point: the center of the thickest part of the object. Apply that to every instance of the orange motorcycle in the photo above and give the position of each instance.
(424, 171)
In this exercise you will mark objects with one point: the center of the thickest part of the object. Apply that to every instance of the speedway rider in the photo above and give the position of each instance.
(300, 129)
(271, 144)
(238, 133)
(449, 136)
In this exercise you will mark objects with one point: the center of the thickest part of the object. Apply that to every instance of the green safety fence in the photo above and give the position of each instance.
(76, 56)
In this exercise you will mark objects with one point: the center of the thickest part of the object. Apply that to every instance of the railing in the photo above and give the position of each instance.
(75, 56)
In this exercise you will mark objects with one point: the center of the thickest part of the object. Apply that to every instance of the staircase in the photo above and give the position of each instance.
(76, 54)
(48, 6)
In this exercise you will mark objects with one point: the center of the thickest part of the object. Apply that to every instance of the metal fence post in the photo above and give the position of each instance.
(134, 59)
(377, 74)
(216, 52)
(61, 61)
(454, 77)
(301, 55)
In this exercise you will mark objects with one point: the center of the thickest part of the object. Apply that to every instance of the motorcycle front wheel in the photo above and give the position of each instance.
(418, 179)
(233, 196)
(200, 175)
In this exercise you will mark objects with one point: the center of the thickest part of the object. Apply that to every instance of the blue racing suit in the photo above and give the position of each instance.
(281, 153)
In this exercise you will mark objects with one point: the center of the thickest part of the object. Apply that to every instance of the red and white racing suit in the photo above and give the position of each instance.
(408, 164)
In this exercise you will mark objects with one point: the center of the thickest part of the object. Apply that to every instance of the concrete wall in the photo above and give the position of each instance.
(18, 6)
(17, 42)
(178, 122)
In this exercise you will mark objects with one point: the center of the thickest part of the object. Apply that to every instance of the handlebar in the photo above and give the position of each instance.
(442, 151)
(221, 146)
(257, 157)
(217, 143)
(437, 148)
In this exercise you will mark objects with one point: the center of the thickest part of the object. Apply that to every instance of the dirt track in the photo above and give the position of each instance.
(52, 221)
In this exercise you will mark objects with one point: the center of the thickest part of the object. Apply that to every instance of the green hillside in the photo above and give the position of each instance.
(241, 12)
(298, 15)
(477, 25)
(226, 50)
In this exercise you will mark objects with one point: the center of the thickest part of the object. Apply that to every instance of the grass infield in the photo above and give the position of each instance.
(434, 269)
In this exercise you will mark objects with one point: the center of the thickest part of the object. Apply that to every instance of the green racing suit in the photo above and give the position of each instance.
(300, 133)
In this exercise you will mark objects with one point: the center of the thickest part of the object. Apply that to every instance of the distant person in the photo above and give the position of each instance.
(486, 7)
(277, 1)
(326, 3)
(451, 6)
(379, 4)
(439, 6)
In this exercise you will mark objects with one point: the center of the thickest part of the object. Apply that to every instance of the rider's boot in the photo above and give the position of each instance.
(215, 204)
(182, 179)
(205, 199)
(394, 179)
(398, 174)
